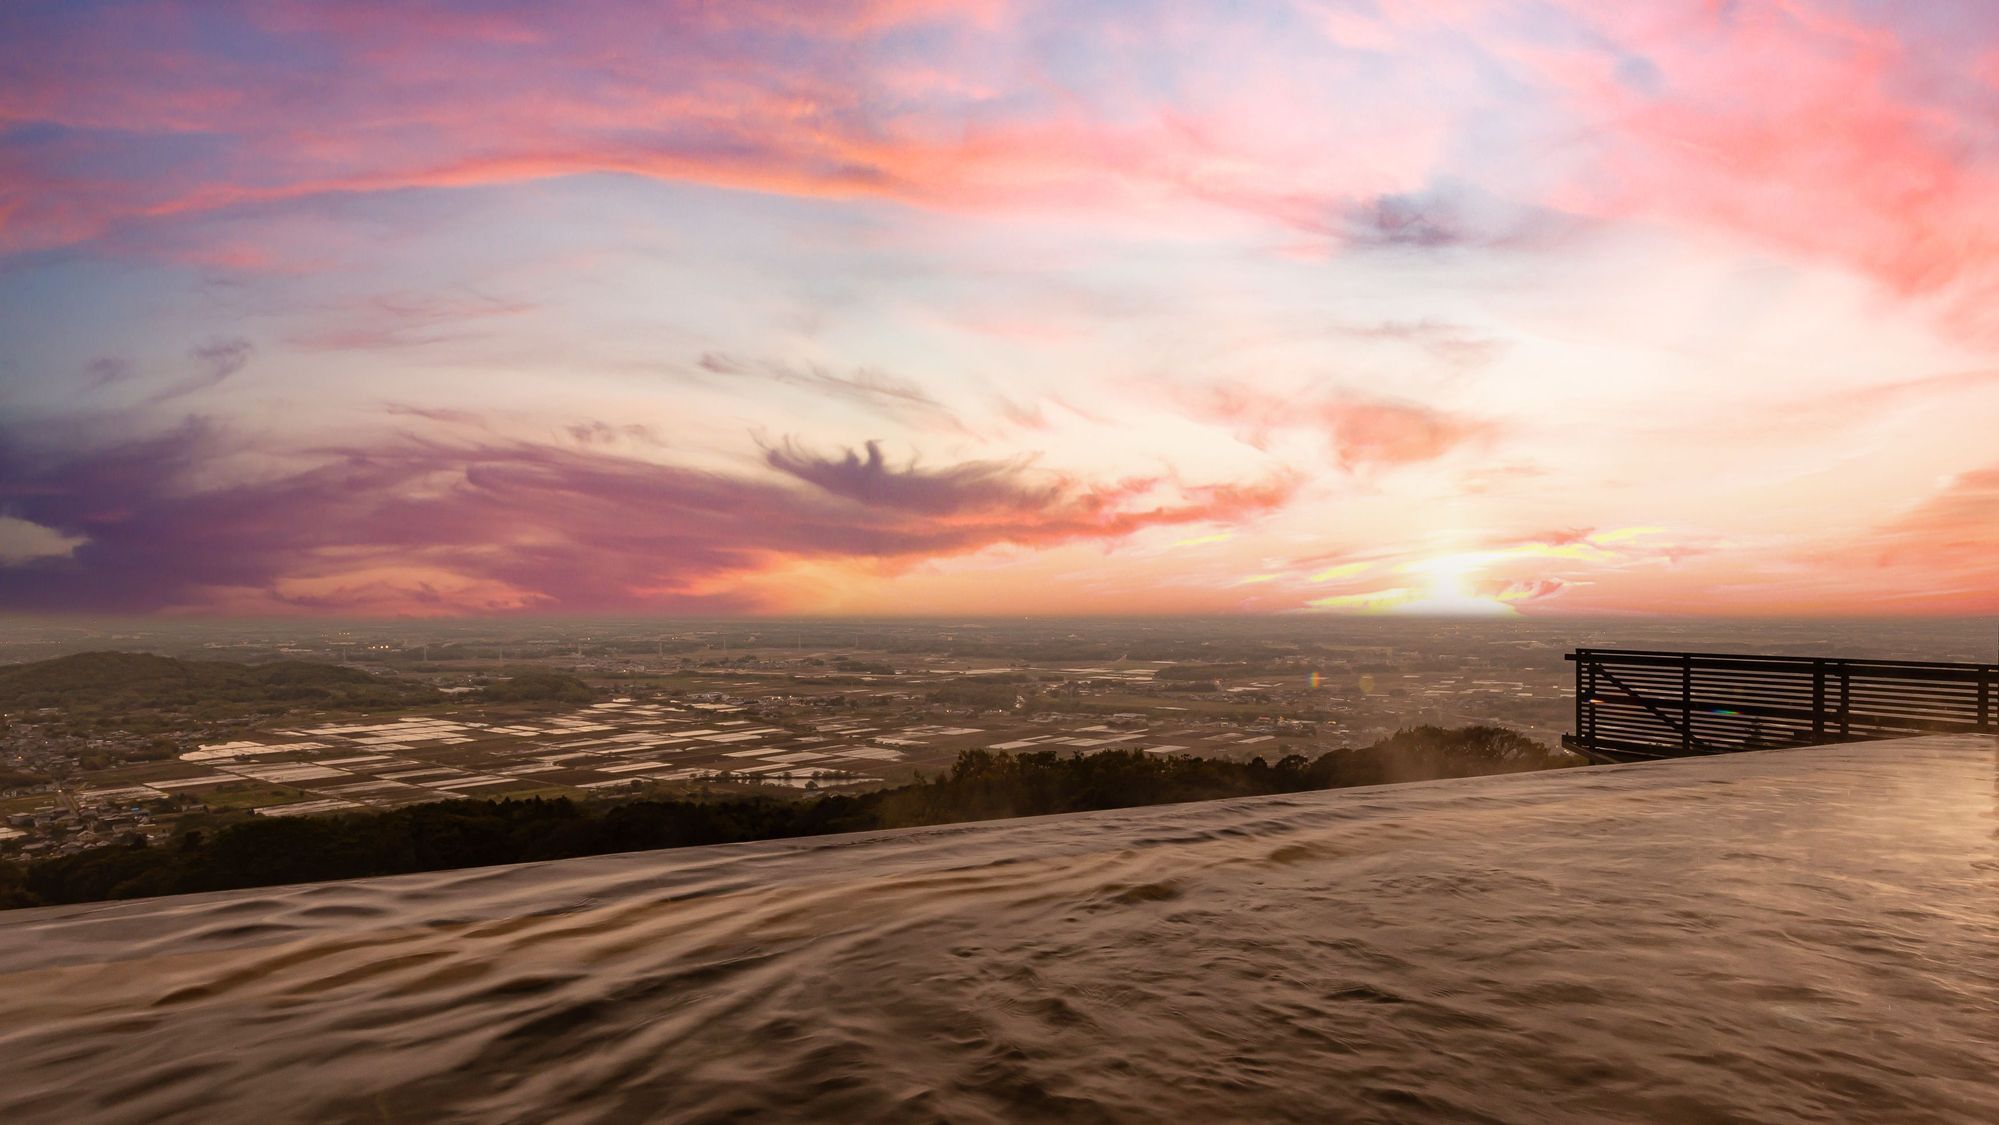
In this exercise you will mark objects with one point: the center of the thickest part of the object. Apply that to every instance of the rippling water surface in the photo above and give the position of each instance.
(1792, 935)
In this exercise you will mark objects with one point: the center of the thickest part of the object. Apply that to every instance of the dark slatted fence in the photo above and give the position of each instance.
(1632, 705)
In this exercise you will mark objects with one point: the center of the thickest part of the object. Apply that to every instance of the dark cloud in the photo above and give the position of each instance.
(557, 528)
(604, 433)
(1421, 222)
(985, 486)
(106, 370)
(222, 358)
(445, 415)
(214, 362)
(1453, 216)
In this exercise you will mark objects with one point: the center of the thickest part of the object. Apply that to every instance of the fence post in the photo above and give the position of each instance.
(1845, 701)
(1985, 696)
(1686, 703)
(1589, 715)
(1818, 701)
(1582, 662)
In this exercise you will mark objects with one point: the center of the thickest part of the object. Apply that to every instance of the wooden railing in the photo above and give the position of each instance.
(1634, 705)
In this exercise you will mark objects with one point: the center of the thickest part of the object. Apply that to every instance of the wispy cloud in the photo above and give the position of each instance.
(875, 389)
(405, 320)
(214, 362)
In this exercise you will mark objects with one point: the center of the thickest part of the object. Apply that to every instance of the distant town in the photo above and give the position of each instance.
(633, 709)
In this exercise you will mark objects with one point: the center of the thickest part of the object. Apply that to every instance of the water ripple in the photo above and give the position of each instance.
(1790, 936)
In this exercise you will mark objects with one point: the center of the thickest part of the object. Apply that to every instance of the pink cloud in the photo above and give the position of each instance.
(779, 98)
(1360, 431)
(1796, 124)
(1798, 127)
(1393, 433)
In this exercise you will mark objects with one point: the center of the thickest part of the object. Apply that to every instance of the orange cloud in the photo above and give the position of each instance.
(1944, 550)
(1360, 431)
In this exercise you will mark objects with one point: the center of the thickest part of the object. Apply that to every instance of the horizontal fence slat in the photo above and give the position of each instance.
(1643, 703)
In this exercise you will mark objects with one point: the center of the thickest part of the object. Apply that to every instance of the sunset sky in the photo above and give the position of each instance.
(999, 306)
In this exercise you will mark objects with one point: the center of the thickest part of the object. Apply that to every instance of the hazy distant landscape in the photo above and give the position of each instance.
(706, 732)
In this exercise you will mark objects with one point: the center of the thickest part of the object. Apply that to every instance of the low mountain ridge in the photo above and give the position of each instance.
(131, 687)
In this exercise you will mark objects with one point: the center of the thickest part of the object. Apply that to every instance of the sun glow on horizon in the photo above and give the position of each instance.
(1447, 588)
(1451, 591)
